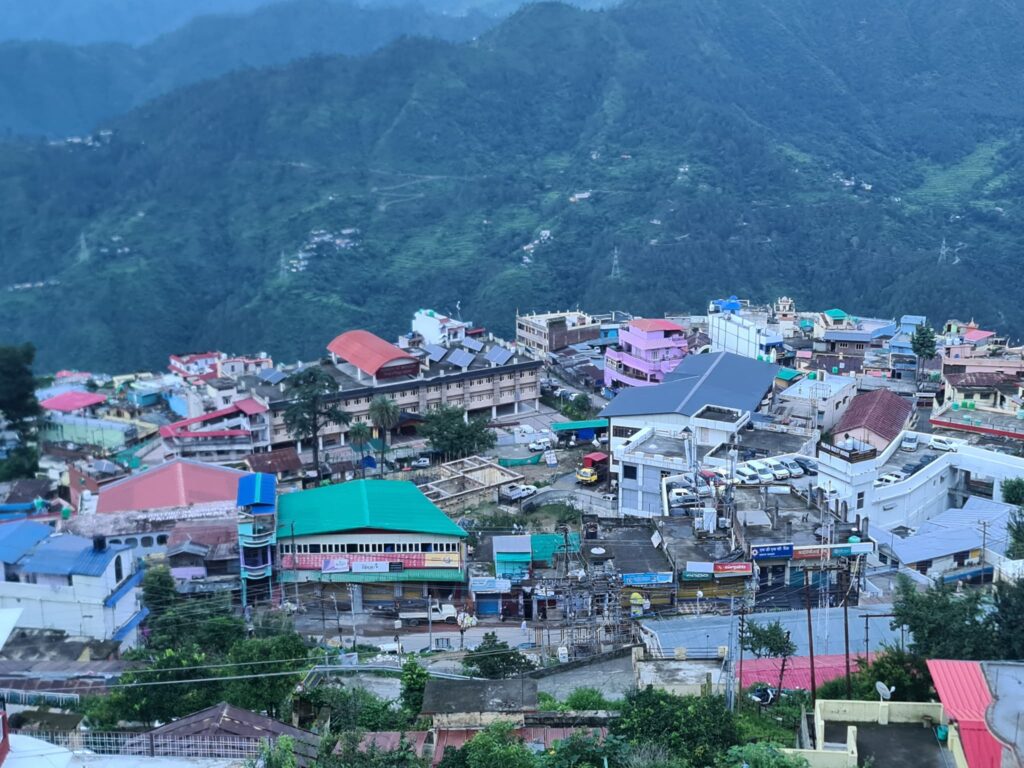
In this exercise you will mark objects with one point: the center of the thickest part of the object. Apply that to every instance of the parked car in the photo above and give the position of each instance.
(942, 443)
(810, 466)
(889, 478)
(539, 445)
(747, 476)
(795, 470)
(421, 463)
(683, 497)
(778, 469)
(909, 443)
(764, 472)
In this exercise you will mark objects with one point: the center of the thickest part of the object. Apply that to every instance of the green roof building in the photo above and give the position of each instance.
(368, 531)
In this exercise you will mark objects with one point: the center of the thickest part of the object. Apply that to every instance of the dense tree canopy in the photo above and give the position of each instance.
(453, 435)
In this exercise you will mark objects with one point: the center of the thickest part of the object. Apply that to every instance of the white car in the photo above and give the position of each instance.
(909, 443)
(421, 463)
(795, 470)
(747, 476)
(940, 443)
(764, 472)
(539, 445)
(889, 478)
(777, 468)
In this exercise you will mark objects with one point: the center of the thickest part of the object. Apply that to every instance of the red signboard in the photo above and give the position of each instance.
(811, 553)
(734, 569)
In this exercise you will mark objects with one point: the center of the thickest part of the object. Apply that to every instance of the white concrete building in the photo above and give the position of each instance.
(853, 474)
(83, 587)
(436, 328)
(821, 400)
(731, 332)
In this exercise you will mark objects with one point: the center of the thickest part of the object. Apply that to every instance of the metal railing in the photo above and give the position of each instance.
(152, 745)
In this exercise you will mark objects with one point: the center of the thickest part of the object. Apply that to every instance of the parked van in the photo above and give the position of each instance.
(747, 476)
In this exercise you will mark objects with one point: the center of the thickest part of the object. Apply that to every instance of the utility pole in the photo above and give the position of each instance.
(352, 609)
(846, 631)
(430, 621)
(984, 543)
(295, 568)
(810, 633)
(743, 617)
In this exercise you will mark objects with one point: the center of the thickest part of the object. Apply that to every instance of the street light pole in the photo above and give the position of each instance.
(352, 608)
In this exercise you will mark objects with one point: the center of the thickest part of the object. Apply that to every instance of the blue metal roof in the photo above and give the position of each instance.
(719, 378)
(19, 537)
(66, 555)
(258, 488)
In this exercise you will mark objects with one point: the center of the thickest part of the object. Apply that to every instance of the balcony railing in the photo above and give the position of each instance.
(851, 455)
(150, 745)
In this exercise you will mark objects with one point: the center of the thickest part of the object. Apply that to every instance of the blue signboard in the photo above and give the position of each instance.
(771, 551)
(645, 579)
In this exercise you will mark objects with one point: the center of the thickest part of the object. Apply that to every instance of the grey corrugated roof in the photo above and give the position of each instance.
(719, 378)
(951, 531)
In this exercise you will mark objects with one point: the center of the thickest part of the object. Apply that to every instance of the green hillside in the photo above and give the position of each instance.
(53, 89)
(822, 149)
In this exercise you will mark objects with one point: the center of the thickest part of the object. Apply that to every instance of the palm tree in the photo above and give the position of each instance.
(384, 414)
(359, 436)
(312, 406)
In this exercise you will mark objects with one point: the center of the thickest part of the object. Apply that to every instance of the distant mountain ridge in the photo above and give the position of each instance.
(52, 89)
(817, 148)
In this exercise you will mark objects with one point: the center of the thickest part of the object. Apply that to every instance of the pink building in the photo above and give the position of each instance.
(647, 350)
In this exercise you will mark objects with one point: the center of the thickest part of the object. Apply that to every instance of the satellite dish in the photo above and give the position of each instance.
(597, 551)
(700, 594)
(884, 692)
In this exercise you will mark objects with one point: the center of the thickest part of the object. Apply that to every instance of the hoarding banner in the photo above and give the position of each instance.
(771, 551)
(335, 565)
(640, 579)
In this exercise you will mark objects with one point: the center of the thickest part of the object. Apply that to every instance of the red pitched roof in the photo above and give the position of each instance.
(976, 334)
(881, 412)
(798, 670)
(367, 352)
(649, 325)
(965, 696)
(251, 406)
(72, 401)
(178, 483)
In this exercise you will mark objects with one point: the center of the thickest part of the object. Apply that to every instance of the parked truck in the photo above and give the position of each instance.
(438, 614)
(594, 469)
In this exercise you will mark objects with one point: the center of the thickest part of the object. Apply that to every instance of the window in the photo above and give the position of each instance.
(351, 547)
(131, 541)
(923, 566)
(314, 549)
(629, 471)
(960, 558)
(285, 549)
(147, 541)
(860, 500)
(624, 431)
(118, 570)
(161, 539)
(426, 546)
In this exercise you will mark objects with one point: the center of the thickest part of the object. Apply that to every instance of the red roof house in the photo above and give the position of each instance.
(966, 697)
(178, 483)
(371, 355)
(798, 670)
(68, 402)
(875, 417)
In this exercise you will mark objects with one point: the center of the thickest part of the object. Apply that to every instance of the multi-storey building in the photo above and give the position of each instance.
(381, 539)
(481, 375)
(257, 535)
(647, 350)
(540, 334)
(226, 435)
(84, 587)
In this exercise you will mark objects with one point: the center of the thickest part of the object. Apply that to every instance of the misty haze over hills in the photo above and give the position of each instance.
(822, 149)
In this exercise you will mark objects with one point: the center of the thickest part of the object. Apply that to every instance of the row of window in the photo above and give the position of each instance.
(403, 547)
(624, 431)
(147, 541)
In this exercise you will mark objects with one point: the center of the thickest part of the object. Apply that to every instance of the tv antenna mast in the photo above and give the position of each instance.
(615, 273)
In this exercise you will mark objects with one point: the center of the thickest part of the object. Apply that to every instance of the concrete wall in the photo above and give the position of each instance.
(78, 608)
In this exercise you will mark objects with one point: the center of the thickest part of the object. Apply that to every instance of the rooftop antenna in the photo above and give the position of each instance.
(943, 251)
(884, 691)
(458, 310)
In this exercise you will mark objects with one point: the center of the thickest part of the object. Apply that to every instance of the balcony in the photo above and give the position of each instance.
(853, 454)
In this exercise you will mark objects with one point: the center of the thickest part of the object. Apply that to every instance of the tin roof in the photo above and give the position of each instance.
(366, 351)
(19, 537)
(966, 697)
(66, 555)
(72, 401)
(177, 483)
(389, 505)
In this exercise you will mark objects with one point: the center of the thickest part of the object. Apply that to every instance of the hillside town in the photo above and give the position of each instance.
(782, 508)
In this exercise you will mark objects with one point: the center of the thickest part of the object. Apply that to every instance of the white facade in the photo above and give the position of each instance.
(436, 328)
(94, 607)
(822, 400)
(732, 333)
(926, 493)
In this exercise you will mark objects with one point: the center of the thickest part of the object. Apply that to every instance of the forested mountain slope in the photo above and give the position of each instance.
(824, 149)
(52, 89)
